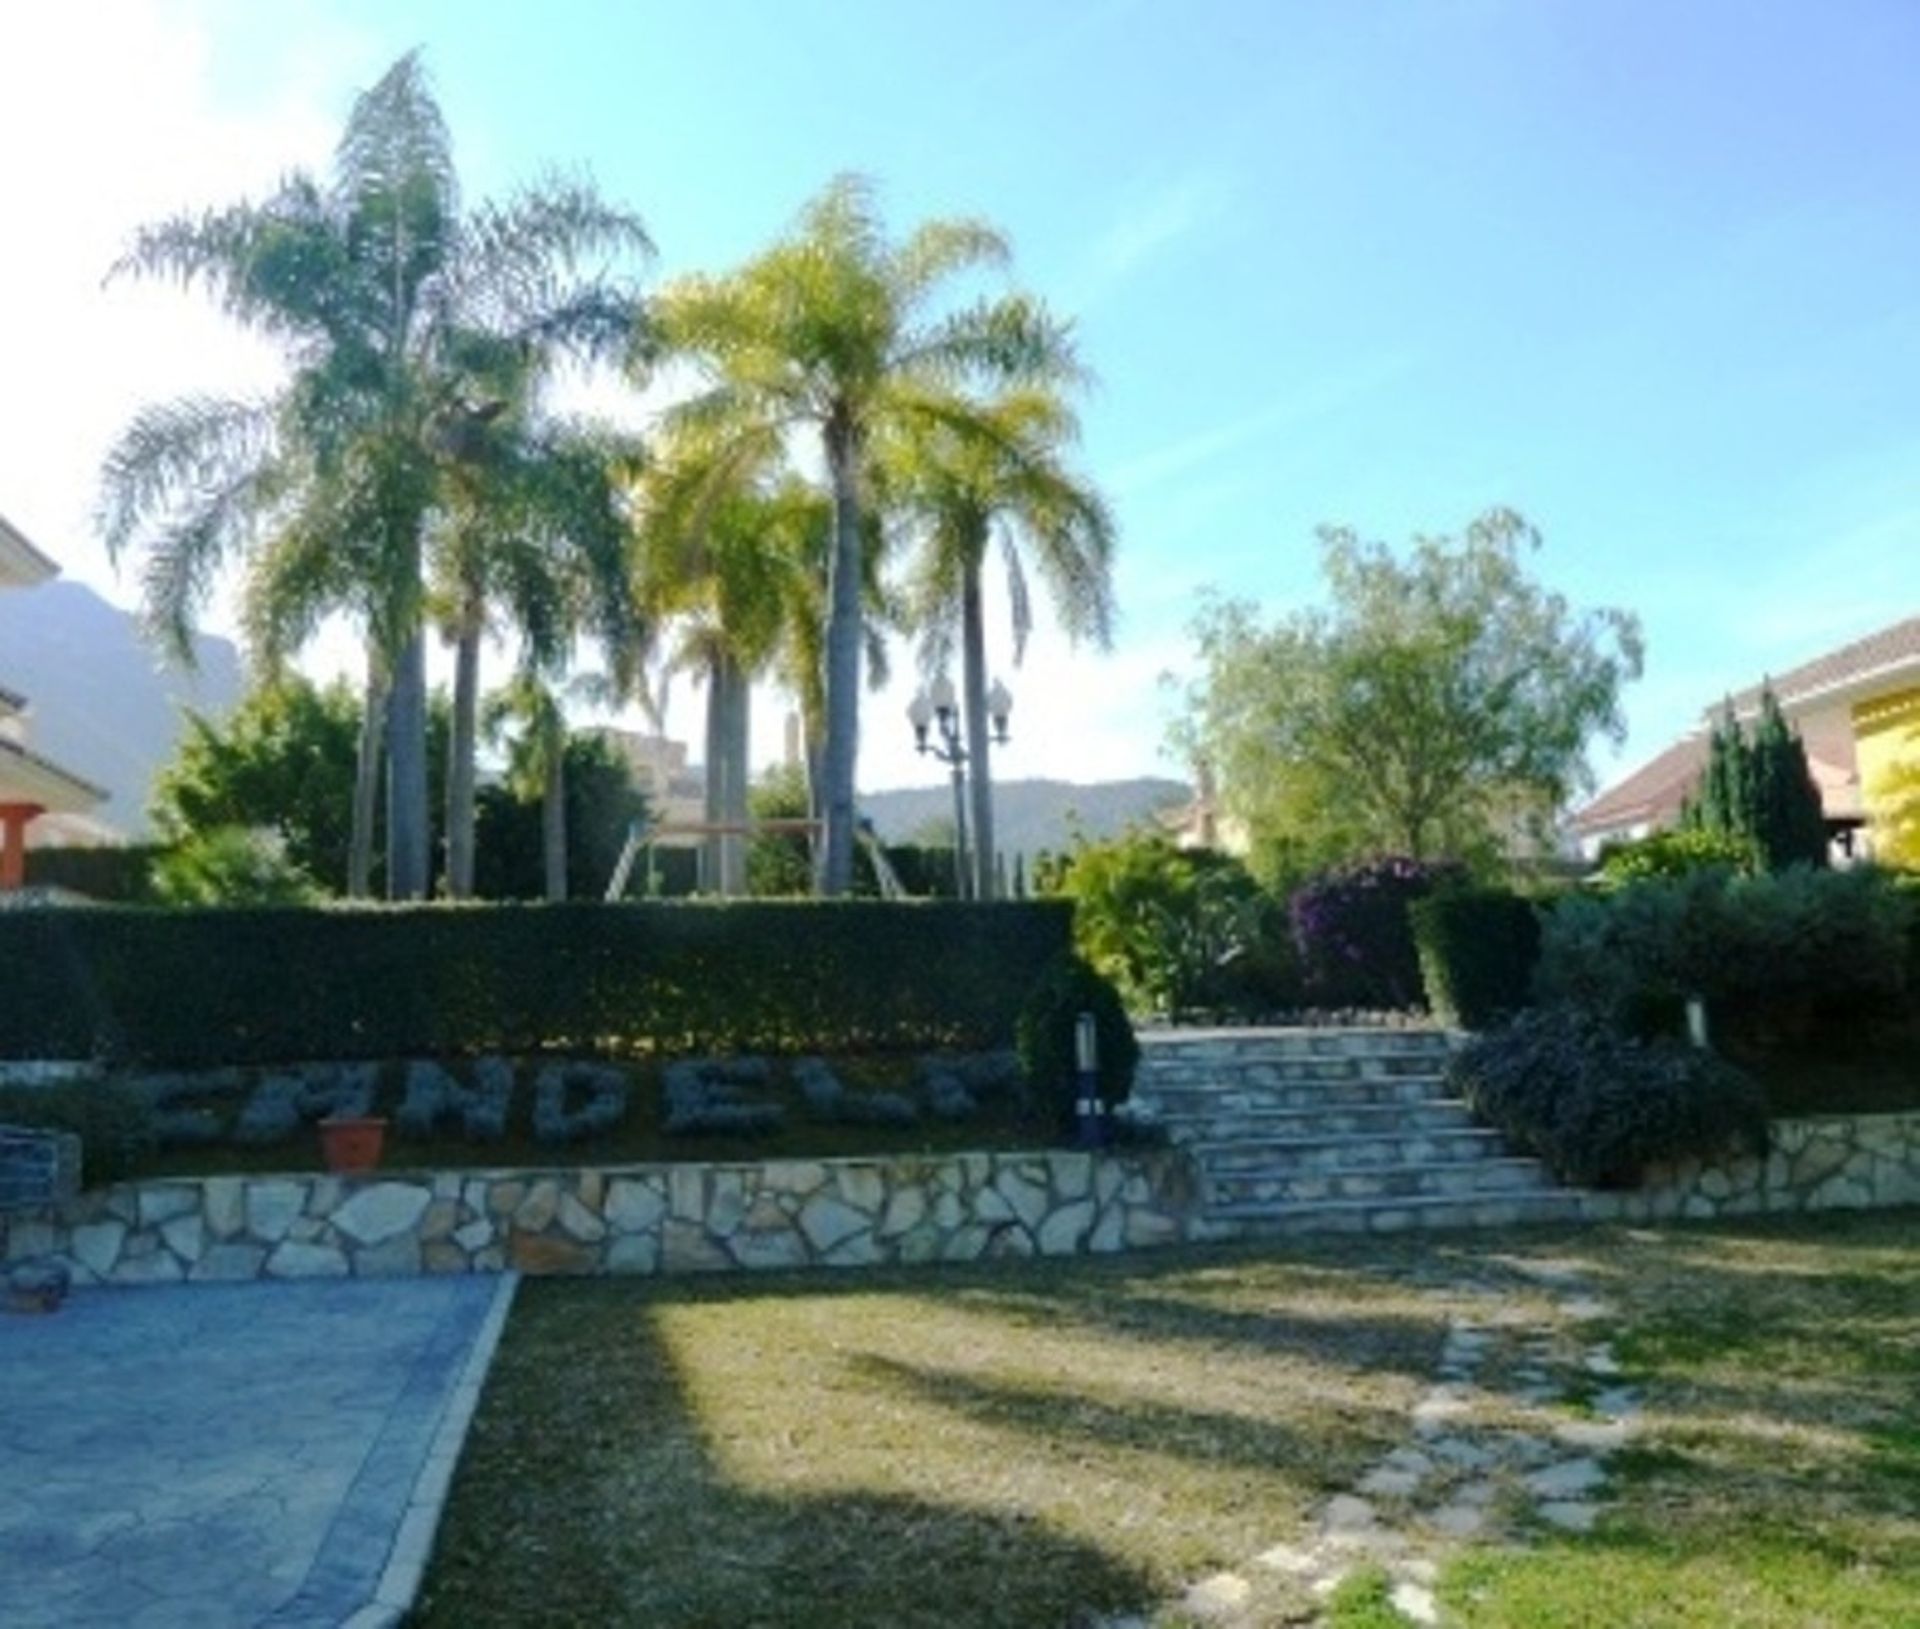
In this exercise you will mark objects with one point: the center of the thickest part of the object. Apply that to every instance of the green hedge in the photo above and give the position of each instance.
(209, 987)
(1478, 947)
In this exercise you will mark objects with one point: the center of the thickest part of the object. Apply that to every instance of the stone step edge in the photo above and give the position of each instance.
(1505, 1162)
(1568, 1202)
(1338, 1139)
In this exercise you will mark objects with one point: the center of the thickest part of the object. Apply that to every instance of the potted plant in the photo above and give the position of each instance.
(352, 1142)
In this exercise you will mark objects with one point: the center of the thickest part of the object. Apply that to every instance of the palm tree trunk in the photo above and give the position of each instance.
(407, 836)
(735, 747)
(712, 801)
(843, 666)
(460, 752)
(553, 819)
(973, 675)
(366, 783)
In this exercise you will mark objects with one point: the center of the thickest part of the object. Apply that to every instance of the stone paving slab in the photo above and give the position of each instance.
(216, 1455)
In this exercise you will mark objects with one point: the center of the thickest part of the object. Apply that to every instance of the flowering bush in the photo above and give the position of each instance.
(1351, 930)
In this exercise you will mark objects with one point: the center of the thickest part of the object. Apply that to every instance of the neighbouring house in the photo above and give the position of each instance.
(38, 798)
(1857, 710)
(675, 793)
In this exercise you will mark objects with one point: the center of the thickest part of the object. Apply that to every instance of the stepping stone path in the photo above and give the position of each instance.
(1485, 1462)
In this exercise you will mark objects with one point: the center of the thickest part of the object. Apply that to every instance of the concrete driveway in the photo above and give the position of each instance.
(211, 1455)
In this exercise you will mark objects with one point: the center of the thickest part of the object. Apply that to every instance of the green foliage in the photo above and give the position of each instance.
(602, 801)
(1176, 930)
(1351, 931)
(274, 985)
(1044, 1035)
(1760, 792)
(779, 864)
(1442, 699)
(1598, 1106)
(1776, 957)
(283, 760)
(231, 865)
(1478, 948)
(113, 1121)
(1675, 853)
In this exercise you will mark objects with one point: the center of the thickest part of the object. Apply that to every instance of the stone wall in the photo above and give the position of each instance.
(638, 1219)
(799, 1213)
(1835, 1162)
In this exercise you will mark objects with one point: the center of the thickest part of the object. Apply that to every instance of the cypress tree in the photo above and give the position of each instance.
(1761, 790)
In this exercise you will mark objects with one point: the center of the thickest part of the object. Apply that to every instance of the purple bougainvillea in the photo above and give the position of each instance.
(1350, 927)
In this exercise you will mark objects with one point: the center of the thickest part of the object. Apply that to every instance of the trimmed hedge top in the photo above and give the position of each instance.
(274, 985)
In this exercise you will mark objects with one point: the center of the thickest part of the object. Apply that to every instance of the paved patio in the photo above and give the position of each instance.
(213, 1455)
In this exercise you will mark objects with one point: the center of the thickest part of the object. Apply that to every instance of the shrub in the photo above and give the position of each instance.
(231, 865)
(1598, 1106)
(1676, 853)
(1177, 930)
(113, 1121)
(1477, 952)
(181, 988)
(1777, 958)
(1351, 930)
(601, 1105)
(1046, 1029)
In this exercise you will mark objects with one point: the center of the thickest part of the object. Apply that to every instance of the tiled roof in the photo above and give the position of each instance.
(1652, 794)
(1890, 647)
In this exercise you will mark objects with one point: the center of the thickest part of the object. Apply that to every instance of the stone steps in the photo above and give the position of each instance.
(1335, 1130)
(1545, 1205)
(1387, 1147)
(1456, 1179)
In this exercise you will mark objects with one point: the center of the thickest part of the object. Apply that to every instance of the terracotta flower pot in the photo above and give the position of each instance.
(352, 1143)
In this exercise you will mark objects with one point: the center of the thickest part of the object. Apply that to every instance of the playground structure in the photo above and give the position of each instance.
(641, 836)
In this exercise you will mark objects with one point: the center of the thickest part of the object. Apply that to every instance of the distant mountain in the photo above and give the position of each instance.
(1028, 815)
(102, 703)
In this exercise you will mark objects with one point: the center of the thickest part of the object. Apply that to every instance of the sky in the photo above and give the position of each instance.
(1648, 273)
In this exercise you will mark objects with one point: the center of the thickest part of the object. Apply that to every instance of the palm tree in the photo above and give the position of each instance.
(720, 554)
(535, 522)
(367, 281)
(956, 486)
(536, 761)
(829, 330)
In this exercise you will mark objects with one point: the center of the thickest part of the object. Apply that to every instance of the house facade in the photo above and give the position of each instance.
(1857, 710)
(37, 796)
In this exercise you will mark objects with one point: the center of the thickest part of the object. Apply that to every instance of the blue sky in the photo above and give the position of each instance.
(1649, 273)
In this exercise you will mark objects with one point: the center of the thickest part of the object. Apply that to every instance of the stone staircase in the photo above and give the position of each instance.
(1334, 1130)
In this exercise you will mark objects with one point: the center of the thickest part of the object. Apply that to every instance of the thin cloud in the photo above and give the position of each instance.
(1158, 221)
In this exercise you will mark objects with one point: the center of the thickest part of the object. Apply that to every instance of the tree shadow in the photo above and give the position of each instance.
(592, 1493)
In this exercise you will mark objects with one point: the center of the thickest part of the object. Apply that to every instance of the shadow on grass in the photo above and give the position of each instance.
(591, 1493)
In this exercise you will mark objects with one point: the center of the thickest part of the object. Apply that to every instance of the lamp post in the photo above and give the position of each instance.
(936, 730)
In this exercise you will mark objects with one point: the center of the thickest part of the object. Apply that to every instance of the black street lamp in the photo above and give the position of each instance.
(934, 710)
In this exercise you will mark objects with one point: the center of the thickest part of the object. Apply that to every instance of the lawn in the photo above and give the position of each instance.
(1038, 1443)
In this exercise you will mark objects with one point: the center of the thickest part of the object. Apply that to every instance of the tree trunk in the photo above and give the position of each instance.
(553, 819)
(366, 783)
(735, 744)
(408, 860)
(460, 752)
(844, 634)
(712, 801)
(973, 675)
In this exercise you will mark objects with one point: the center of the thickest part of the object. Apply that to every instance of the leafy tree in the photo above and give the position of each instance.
(376, 283)
(283, 761)
(1760, 792)
(778, 863)
(829, 329)
(955, 486)
(1441, 701)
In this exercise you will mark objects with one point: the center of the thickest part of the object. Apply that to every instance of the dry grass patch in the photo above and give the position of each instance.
(1023, 1446)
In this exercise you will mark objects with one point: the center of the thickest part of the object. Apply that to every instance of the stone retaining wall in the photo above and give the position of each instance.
(637, 1219)
(799, 1213)
(1835, 1162)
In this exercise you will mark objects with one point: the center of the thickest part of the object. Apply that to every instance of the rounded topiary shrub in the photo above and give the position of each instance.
(1044, 1036)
